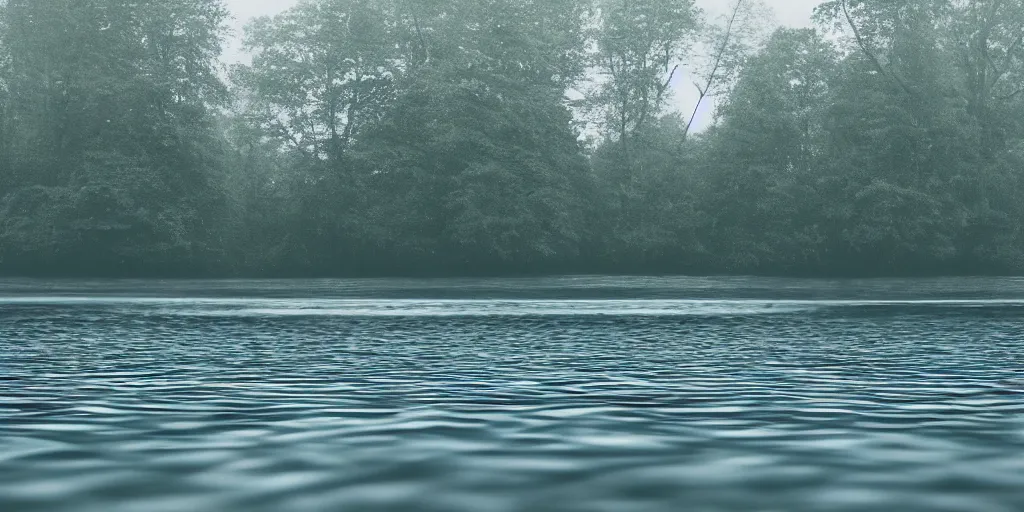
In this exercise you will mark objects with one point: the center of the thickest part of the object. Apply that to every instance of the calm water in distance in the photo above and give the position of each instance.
(569, 394)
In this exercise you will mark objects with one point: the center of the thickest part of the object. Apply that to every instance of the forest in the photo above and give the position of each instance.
(508, 137)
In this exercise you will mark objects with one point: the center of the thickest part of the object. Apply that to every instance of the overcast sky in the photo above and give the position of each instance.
(792, 13)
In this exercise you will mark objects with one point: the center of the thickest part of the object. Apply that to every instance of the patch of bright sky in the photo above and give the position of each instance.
(792, 13)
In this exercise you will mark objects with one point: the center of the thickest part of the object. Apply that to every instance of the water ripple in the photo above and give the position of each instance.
(121, 404)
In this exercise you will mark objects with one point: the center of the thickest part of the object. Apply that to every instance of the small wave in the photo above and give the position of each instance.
(233, 307)
(474, 308)
(562, 308)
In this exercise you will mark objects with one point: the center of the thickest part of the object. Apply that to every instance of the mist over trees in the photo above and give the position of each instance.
(373, 137)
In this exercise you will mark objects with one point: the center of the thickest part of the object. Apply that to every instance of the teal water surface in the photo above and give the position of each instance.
(571, 394)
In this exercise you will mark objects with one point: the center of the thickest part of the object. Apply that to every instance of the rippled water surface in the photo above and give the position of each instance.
(575, 394)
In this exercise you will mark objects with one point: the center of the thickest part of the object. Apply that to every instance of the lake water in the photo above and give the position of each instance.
(572, 394)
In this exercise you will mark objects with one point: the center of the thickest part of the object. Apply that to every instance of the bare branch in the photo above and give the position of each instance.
(1010, 96)
(870, 55)
(713, 75)
(287, 134)
(668, 81)
(423, 41)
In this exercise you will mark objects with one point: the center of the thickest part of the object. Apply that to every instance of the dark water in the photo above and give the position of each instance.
(529, 395)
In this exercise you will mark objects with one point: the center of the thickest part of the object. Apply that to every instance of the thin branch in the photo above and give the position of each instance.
(719, 55)
(693, 115)
(1010, 96)
(668, 81)
(870, 55)
(350, 121)
(423, 42)
(1001, 71)
(283, 130)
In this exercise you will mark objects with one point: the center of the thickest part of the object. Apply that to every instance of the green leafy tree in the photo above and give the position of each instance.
(7, 177)
(477, 163)
(113, 143)
(477, 171)
(767, 153)
(639, 49)
(320, 72)
(987, 42)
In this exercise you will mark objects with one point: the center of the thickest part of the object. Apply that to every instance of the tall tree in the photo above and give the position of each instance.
(478, 161)
(320, 72)
(112, 106)
(640, 48)
(988, 40)
(6, 117)
(766, 177)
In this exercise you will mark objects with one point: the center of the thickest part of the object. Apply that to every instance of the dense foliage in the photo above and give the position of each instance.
(511, 136)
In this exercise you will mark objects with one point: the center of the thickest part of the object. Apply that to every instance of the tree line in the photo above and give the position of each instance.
(385, 137)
